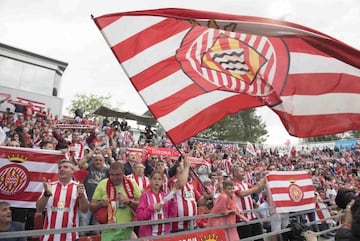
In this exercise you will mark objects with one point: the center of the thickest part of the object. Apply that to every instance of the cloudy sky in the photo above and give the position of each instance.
(64, 30)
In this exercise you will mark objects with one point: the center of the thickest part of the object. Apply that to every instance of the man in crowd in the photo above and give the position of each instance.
(97, 171)
(186, 196)
(119, 196)
(6, 223)
(63, 200)
(129, 164)
(138, 176)
(243, 191)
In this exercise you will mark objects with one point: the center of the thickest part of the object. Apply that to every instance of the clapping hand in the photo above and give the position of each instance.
(47, 185)
(80, 190)
(158, 206)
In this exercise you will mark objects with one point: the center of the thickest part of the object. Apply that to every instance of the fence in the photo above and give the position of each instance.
(36, 233)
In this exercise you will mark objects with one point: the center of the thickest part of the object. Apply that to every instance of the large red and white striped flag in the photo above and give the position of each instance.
(22, 171)
(290, 191)
(192, 68)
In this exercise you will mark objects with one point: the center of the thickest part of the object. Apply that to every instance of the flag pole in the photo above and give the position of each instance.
(211, 203)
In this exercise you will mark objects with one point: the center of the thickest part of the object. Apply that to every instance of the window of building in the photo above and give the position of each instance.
(25, 76)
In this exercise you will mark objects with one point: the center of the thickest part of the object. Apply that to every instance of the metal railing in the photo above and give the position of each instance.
(192, 219)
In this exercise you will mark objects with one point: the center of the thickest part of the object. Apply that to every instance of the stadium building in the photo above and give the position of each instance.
(27, 77)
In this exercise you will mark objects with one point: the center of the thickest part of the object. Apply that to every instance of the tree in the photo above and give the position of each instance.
(87, 104)
(241, 127)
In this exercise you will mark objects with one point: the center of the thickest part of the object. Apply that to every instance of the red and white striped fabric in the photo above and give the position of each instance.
(62, 211)
(192, 68)
(290, 191)
(77, 150)
(250, 149)
(244, 203)
(323, 213)
(187, 205)
(152, 198)
(4, 96)
(142, 182)
(21, 173)
(23, 101)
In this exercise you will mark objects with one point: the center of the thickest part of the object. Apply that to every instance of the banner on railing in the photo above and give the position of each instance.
(22, 171)
(211, 235)
(291, 191)
(166, 152)
(74, 126)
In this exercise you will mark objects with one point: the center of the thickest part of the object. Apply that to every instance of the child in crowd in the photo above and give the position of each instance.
(154, 206)
(226, 205)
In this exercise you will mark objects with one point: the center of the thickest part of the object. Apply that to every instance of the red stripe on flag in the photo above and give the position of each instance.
(172, 102)
(104, 22)
(302, 126)
(287, 177)
(325, 83)
(164, 68)
(278, 190)
(290, 203)
(195, 124)
(153, 35)
(24, 196)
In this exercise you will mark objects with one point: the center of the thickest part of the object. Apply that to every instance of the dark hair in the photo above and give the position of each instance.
(156, 172)
(344, 196)
(227, 183)
(116, 165)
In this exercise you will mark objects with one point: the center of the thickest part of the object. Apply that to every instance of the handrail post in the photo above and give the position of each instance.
(191, 224)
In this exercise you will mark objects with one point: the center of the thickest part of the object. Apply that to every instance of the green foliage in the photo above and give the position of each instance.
(241, 127)
(322, 138)
(88, 103)
(355, 134)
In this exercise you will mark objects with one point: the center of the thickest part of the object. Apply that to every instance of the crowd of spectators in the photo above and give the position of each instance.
(95, 146)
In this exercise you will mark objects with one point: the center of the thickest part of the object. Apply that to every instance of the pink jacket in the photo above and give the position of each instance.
(145, 211)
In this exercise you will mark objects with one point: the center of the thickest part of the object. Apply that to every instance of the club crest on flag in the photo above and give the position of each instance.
(295, 193)
(216, 59)
(14, 179)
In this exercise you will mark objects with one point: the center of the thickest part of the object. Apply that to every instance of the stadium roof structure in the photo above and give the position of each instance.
(141, 119)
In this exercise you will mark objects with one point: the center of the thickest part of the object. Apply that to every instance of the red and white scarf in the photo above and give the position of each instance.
(152, 198)
(113, 196)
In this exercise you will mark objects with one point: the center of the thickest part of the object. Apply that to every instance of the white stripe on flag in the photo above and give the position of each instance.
(128, 27)
(300, 64)
(154, 54)
(34, 166)
(193, 107)
(286, 196)
(34, 187)
(22, 204)
(307, 105)
(288, 209)
(286, 183)
(168, 86)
